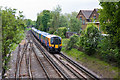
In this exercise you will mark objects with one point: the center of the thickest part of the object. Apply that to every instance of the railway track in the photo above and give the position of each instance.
(49, 58)
(66, 66)
(81, 68)
(32, 64)
(23, 62)
(78, 70)
(48, 68)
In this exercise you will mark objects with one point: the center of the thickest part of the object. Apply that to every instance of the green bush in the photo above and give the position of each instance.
(90, 39)
(72, 42)
(61, 32)
(107, 51)
(51, 31)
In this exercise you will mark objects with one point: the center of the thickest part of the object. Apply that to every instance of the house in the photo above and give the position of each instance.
(88, 16)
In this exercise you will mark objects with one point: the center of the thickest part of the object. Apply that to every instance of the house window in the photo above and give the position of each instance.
(83, 22)
(81, 18)
(94, 17)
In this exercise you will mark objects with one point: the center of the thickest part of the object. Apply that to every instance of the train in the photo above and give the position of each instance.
(52, 42)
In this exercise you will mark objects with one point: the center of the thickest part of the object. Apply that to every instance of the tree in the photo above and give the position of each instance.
(89, 41)
(54, 22)
(12, 32)
(45, 19)
(29, 22)
(75, 25)
(61, 32)
(110, 21)
(39, 24)
(63, 22)
(72, 42)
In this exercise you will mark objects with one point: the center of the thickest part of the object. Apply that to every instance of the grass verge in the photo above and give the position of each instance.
(98, 66)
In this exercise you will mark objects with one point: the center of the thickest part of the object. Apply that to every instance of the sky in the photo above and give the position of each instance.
(30, 8)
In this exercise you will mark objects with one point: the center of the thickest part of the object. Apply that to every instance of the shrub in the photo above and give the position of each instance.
(90, 39)
(61, 32)
(72, 42)
(108, 52)
(51, 31)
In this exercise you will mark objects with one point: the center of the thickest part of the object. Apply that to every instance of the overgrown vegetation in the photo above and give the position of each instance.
(61, 32)
(93, 43)
(12, 32)
(110, 23)
(108, 53)
(106, 48)
(89, 40)
(91, 62)
(72, 42)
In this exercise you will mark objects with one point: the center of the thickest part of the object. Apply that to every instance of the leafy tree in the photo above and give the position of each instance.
(12, 32)
(110, 21)
(72, 42)
(39, 24)
(0, 39)
(63, 22)
(29, 22)
(75, 25)
(106, 52)
(61, 32)
(45, 19)
(54, 21)
(89, 41)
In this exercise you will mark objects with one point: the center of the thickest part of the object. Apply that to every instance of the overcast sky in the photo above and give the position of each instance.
(30, 8)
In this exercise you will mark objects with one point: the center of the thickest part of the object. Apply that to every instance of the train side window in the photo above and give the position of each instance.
(51, 40)
(47, 40)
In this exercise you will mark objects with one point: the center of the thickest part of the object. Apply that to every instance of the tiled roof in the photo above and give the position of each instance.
(86, 13)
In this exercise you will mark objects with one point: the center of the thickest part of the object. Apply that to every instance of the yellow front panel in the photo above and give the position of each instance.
(56, 46)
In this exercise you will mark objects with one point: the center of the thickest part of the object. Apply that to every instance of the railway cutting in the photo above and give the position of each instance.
(34, 61)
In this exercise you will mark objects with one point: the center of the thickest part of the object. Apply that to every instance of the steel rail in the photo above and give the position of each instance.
(19, 60)
(51, 60)
(28, 63)
(30, 71)
(78, 75)
(42, 65)
(80, 67)
(17, 75)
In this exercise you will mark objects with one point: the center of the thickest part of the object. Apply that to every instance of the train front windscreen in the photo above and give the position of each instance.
(55, 40)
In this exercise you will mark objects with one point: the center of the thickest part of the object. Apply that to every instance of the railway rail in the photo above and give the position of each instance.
(30, 55)
(23, 62)
(49, 58)
(48, 68)
(89, 73)
(73, 68)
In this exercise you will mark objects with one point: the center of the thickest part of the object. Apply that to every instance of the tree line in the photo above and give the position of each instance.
(50, 21)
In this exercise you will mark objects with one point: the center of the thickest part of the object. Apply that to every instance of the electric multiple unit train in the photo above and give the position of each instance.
(53, 43)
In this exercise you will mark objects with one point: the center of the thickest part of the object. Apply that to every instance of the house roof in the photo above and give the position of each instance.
(86, 13)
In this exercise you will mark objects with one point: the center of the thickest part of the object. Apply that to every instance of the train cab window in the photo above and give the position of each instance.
(55, 40)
